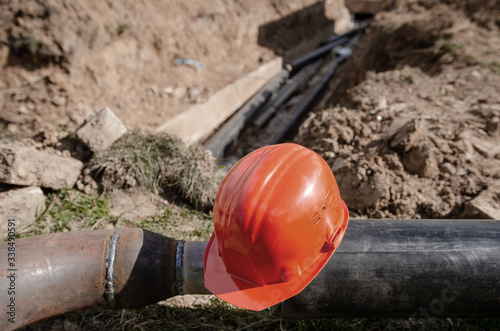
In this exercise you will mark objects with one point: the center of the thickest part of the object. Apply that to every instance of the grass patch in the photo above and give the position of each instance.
(122, 28)
(445, 46)
(181, 223)
(222, 316)
(495, 64)
(160, 163)
(70, 210)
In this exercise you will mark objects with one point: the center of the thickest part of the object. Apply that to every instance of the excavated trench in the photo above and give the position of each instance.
(323, 77)
(273, 115)
(406, 122)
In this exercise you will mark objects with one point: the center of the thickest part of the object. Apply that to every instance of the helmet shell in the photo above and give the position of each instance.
(278, 217)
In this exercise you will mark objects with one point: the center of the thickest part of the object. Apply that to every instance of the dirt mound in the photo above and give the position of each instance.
(429, 35)
(418, 137)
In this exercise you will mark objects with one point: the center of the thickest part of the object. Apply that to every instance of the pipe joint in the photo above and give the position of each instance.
(109, 292)
(179, 279)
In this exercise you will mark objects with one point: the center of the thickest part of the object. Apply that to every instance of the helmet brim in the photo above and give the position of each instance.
(245, 295)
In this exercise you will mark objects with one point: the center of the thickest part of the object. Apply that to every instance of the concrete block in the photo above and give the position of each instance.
(333, 9)
(27, 166)
(344, 22)
(102, 131)
(365, 6)
(23, 205)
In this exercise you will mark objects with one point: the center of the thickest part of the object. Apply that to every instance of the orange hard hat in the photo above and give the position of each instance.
(278, 218)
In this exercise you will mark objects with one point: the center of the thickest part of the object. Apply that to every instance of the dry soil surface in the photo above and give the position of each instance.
(63, 61)
(417, 134)
(414, 131)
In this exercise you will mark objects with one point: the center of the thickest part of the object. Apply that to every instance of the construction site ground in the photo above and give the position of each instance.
(410, 125)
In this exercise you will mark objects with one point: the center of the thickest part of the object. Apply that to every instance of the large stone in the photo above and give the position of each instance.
(484, 145)
(101, 131)
(27, 166)
(22, 205)
(485, 205)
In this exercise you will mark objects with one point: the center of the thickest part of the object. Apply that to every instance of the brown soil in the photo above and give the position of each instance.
(417, 135)
(415, 130)
(63, 61)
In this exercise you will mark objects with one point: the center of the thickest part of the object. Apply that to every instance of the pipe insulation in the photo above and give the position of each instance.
(407, 268)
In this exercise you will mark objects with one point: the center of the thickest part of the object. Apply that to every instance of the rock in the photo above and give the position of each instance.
(397, 107)
(493, 127)
(486, 146)
(476, 74)
(346, 135)
(422, 160)
(448, 168)
(382, 103)
(330, 144)
(366, 193)
(154, 89)
(130, 206)
(58, 100)
(190, 301)
(486, 205)
(101, 131)
(335, 10)
(408, 135)
(338, 164)
(27, 166)
(168, 90)
(179, 92)
(87, 184)
(198, 95)
(23, 205)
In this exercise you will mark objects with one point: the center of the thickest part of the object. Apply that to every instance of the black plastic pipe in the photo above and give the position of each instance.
(330, 44)
(407, 268)
(311, 95)
(286, 91)
(316, 54)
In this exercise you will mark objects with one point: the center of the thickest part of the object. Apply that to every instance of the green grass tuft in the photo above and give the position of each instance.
(70, 210)
(180, 223)
(160, 163)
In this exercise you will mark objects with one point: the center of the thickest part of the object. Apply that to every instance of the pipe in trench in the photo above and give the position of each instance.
(299, 109)
(226, 137)
(330, 44)
(383, 268)
(286, 91)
